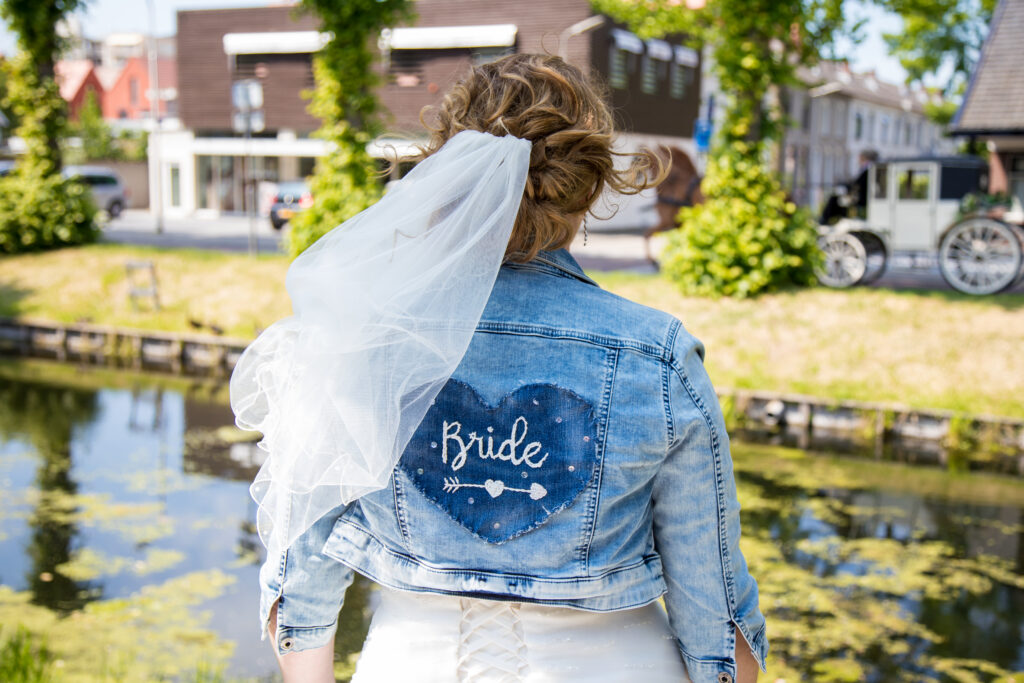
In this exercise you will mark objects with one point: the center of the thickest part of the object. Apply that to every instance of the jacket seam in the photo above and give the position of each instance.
(565, 602)
(673, 332)
(644, 560)
(724, 558)
(553, 269)
(611, 368)
(556, 333)
(399, 511)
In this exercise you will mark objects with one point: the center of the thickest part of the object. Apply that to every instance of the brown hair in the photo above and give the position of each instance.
(564, 114)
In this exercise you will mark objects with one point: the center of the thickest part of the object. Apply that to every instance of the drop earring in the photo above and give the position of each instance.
(584, 230)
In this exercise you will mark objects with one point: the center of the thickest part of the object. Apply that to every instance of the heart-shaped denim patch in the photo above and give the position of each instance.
(504, 470)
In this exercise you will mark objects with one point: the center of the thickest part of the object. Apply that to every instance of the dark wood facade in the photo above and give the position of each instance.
(204, 71)
(414, 78)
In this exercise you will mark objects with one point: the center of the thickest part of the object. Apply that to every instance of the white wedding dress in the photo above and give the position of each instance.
(430, 638)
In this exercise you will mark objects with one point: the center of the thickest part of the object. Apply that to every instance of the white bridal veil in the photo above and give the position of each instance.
(384, 307)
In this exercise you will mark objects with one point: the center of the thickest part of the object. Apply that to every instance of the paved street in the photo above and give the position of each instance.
(602, 251)
(226, 233)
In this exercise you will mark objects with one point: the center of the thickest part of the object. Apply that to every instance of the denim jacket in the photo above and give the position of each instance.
(577, 457)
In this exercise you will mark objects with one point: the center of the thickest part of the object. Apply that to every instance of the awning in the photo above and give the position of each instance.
(686, 56)
(274, 42)
(624, 40)
(448, 37)
(659, 49)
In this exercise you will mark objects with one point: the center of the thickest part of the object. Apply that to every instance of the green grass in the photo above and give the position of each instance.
(938, 350)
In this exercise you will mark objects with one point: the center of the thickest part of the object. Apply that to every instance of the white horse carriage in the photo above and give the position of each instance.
(919, 208)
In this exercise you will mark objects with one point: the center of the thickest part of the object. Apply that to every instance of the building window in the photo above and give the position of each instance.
(655, 66)
(805, 112)
(826, 117)
(623, 56)
(486, 55)
(175, 171)
(858, 126)
(684, 65)
(871, 128)
(406, 67)
(883, 134)
(133, 91)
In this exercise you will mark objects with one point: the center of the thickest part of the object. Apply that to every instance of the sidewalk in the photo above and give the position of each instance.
(602, 252)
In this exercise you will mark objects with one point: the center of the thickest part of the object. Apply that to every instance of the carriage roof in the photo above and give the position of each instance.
(958, 161)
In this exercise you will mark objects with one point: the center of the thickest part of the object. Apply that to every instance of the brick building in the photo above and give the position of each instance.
(76, 78)
(654, 85)
(128, 96)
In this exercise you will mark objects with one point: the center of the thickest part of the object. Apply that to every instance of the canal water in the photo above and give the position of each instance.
(127, 548)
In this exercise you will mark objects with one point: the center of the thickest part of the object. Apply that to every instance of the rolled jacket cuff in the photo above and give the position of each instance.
(297, 639)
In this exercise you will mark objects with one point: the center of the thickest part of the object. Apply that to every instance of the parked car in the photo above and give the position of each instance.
(292, 196)
(6, 166)
(108, 190)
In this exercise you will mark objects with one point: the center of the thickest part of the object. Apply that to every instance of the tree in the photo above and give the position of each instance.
(345, 180)
(92, 130)
(38, 208)
(44, 115)
(746, 237)
(939, 35)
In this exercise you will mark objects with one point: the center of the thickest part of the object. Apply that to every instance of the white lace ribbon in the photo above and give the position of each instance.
(384, 307)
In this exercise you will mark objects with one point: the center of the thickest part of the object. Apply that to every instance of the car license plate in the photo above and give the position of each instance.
(285, 213)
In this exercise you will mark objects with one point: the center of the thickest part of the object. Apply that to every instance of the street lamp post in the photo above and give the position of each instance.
(154, 115)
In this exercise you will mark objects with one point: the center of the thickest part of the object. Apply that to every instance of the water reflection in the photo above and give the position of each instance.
(125, 505)
(877, 572)
(44, 417)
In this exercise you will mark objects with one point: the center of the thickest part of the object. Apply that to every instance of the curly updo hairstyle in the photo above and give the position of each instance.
(564, 114)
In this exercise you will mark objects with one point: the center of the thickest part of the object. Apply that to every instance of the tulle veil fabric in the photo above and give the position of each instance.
(384, 307)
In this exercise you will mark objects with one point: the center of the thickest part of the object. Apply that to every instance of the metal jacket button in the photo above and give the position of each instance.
(725, 677)
(286, 644)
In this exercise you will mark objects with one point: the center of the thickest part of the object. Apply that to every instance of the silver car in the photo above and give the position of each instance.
(108, 190)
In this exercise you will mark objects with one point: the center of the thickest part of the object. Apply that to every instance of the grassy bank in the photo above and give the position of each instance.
(924, 349)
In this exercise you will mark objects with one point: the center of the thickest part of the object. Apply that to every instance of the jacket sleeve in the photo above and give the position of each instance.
(309, 588)
(697, 527)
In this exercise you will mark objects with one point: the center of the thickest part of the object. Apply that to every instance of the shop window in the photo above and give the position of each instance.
(175, 172)
(406, 67)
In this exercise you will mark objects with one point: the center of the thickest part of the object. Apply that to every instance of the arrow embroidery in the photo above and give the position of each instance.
(494, 487)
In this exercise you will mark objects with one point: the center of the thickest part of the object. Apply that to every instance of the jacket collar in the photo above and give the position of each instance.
(556, 263)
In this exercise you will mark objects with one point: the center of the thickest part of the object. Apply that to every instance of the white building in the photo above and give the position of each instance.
(842, 114)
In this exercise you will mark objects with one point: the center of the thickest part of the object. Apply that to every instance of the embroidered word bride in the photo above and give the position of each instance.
(507, 450)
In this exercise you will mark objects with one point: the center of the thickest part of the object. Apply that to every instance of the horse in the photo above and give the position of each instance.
(681, 188)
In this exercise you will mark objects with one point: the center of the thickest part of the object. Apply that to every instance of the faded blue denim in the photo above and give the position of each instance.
(578, 457)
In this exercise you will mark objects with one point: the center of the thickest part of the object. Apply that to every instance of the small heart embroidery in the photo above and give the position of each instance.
(496, 487)
(537, 491)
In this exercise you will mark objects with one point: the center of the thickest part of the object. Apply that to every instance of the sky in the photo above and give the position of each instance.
(102, 17)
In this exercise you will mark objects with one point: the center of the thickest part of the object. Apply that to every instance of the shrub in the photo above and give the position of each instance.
(24, 658)
(44, 213)
(746, 238)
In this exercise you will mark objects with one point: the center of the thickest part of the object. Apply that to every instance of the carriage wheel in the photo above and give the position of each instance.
(846, 260)
(877, 257)
(980, 256)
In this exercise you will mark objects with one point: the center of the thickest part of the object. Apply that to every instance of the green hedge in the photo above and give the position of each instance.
(746, 237)
(44, 213)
